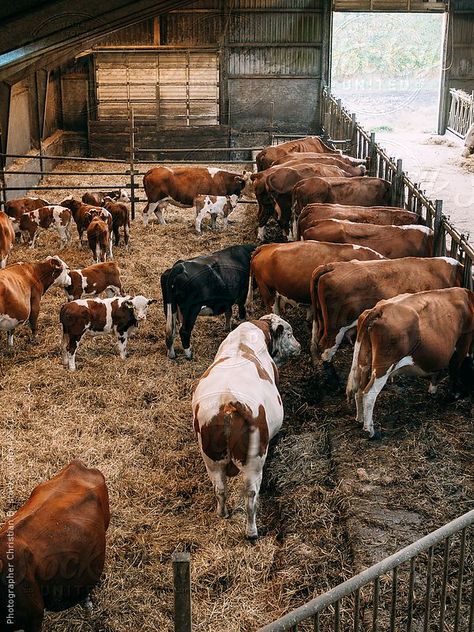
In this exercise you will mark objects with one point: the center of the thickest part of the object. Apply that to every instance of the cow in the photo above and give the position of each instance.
(469, 143)
(57, 218)
(181, 185)
(93, 280)
(120, 219)
(21, 287)
(216, 206)
(340, 292)
(279, 186)
(206, 285)
(7, 237)
(15, 208)
(282, 272)
(359, 191)
(52, 550)
(381, 215)
(269, 155)
(351, 166)
(97, 198)
(80, 213)
(392, 242)
(419, 334)
(119, 315)
(99, 239)
(237, 408)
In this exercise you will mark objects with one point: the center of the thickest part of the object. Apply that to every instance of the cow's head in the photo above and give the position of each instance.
(70, 203)
(122, 196)
(139, 304)
(244, 183)
(60, 271)
(282, 345)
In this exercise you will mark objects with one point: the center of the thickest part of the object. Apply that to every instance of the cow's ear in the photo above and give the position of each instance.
(278, 331)
(128, 304)
(239, 179)
(152, 300)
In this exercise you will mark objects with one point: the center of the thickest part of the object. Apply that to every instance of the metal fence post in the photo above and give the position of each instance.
(397, 184)
(372, 156)
(439, 249)
(400, 184)
(132, 161)
(354, 135)
(182, 592)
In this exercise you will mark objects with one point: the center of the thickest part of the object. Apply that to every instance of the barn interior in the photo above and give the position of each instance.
(195, 76)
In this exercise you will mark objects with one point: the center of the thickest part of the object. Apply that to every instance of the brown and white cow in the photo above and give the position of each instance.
(283, 272)
(93, 280)
(281, 182)
(99, 239)
(52, 550)
(353, 166)
(237, 408)
(269, 155)
(57, 218)
(118, 315)
(419, 334)
(80, 213)
(15, 208)
(21, 287)
(7, 237)
(181, 185)
(120, 219)
(215, 206)
(359, 191)
(392, 242)
(97, 198)
(340, 292)
(381, 215)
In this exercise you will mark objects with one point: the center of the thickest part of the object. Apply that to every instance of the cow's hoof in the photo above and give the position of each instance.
(188, 354)
(375, 436)
(171, 353)
(252, 539)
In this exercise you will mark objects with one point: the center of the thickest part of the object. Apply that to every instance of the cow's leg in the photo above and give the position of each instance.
(189, 320)
(329, 352)
(64, 348)
(34, 312)
(3, 262)
(242, 311)
(213, 221)
(219, 482)
(225, 223)
(157, 208)
(116, 235)
(126, 235)
(369, 398)
(228, 319)
(200, 215)
(261, 233)
(252, 475)
(170, 330)
(122, 339)
(72, 346)
(10, 338)
(110, 246)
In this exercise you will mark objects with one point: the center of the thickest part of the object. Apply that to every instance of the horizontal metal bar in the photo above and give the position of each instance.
(81, 158)
(83, 186)
(369, 575)
(64, 173)
(194, 162)
(198, 149)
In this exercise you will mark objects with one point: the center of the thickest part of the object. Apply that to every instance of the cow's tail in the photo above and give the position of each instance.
(356, 378)
(318, 309)
(234, 412)
(249, 299)
(169, 301)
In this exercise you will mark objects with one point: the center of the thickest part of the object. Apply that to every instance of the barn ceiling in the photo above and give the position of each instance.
(40, 32)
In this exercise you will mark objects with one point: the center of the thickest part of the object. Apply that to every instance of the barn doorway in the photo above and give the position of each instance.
(387, 68)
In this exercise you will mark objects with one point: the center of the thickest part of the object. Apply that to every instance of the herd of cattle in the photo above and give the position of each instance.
(363, 270)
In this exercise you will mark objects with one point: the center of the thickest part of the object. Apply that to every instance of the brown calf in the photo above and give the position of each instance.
(120, 218)
(98, 238)
(15, 208)
(7, 237)
(97, 198)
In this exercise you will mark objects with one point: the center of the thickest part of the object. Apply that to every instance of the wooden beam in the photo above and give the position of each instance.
(156, 31)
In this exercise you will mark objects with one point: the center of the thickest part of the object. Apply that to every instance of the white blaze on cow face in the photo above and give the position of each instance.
(63, 280)
(284, 344)
(140, 306)
(123, 196)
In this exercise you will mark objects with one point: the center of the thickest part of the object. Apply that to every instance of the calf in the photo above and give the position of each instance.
(181, 185)
(119, 315)
(21, 287)
(237, 408)
(94, 280)
(7, 237)
(97, 198)
(282, 272)
(340, 292)
(391, 241)
(80, 213)
(98, 237)
(419, 334)
(206, 285)
(216, 206)
(52, 550)
(120, 219)
(381, 215)
(57, 218)
(15, 208)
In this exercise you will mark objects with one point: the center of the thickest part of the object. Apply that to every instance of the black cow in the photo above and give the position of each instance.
(208, 285)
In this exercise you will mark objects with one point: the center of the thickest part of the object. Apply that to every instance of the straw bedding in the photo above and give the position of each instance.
(328, 497)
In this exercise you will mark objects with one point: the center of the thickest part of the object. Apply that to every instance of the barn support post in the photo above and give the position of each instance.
(354, 135)
(439, 247)
(182, 592)
(397, 185)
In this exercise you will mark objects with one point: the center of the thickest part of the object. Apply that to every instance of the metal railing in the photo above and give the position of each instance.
(341, 124)
(461, 112)
(419, 588)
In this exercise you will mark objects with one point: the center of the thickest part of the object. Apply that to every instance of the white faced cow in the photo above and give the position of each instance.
(237, 408)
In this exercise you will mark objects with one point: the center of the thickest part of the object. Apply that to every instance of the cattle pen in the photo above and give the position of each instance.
(316, 500)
